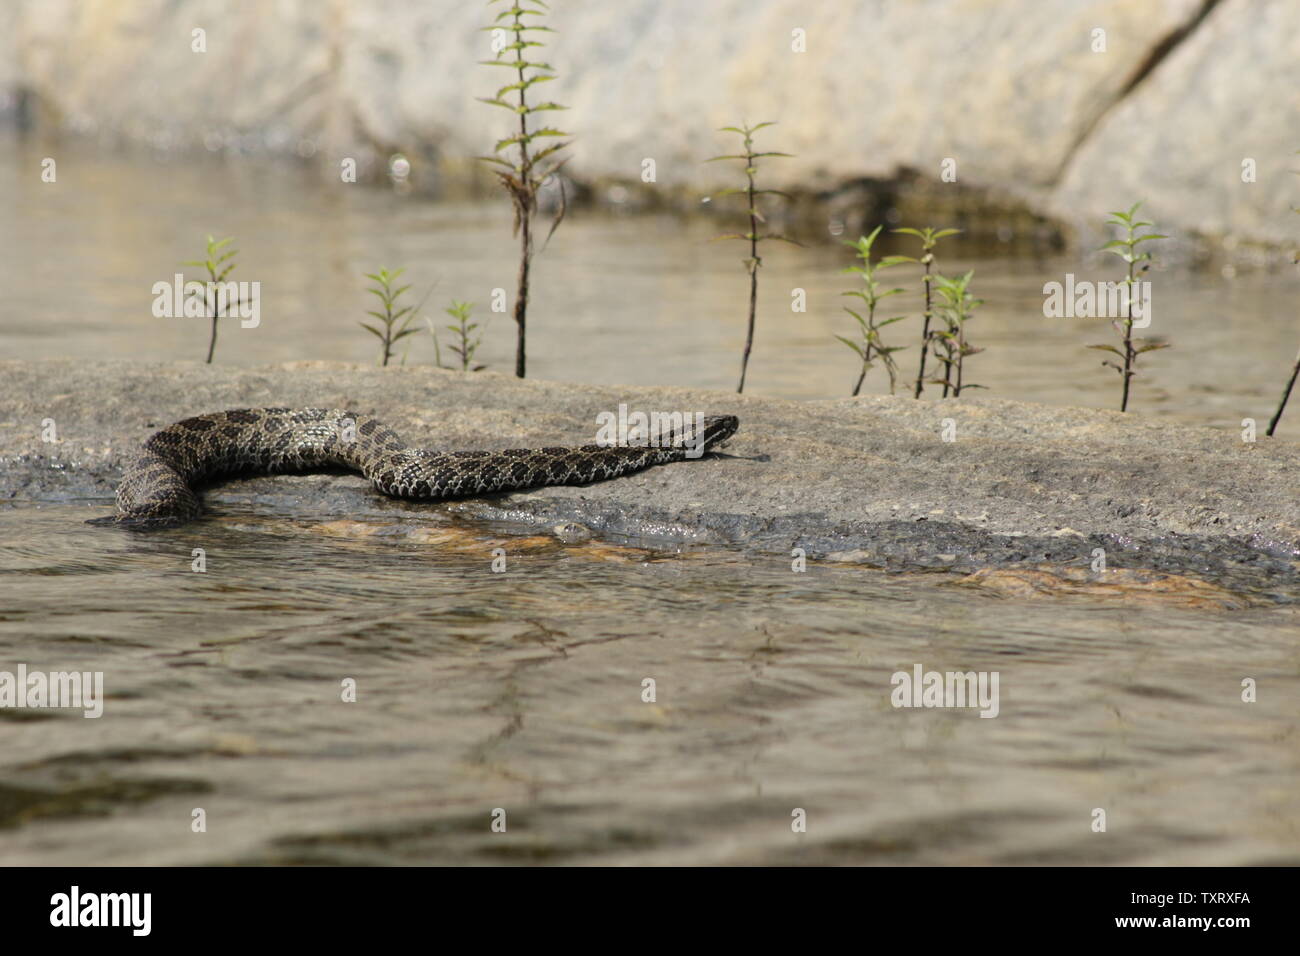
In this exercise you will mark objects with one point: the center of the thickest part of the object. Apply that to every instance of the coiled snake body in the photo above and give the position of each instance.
(158, 487)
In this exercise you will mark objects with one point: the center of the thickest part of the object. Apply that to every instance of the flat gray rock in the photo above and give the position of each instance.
(868, 480)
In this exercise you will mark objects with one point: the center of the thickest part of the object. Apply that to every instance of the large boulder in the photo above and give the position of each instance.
(1075, 108)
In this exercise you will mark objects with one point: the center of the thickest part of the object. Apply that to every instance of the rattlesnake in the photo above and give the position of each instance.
(158, 486)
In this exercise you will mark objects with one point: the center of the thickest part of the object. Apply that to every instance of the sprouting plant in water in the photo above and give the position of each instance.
(464, 342)
(956, 307)
(524, 174)
(753, 237)
(869, 346)
(929, 237)
(216, 294)
(1295, 371)
(395, 319)
(1138, 261)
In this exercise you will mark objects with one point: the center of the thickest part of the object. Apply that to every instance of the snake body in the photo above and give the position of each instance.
(159, 486)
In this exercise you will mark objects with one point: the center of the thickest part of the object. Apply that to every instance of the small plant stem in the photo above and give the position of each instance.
(521, 294)
(212, 342)
(961, 348)
(861, 378)
(1286, 394)
(525, 223)
(1128, 336)
(925, 329)
(753, 265)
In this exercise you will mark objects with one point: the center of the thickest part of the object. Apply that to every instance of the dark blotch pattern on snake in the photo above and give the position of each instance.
(158, 487)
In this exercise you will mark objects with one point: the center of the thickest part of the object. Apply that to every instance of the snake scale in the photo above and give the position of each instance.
(158, 487)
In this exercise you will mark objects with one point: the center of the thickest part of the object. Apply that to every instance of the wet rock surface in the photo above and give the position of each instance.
(870, 481)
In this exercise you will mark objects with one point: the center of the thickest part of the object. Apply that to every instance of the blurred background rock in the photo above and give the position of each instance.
(1041, 122)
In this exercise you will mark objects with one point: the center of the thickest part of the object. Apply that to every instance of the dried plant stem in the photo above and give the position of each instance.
(1286, 394)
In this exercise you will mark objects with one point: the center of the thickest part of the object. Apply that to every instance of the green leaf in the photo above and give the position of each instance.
(851, 344)
(524, 83)
(518, 65)
(1107, 348)
(542, 154)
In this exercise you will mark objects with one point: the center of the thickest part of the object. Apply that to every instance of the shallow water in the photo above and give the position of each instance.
(617, 299)
(522, 690)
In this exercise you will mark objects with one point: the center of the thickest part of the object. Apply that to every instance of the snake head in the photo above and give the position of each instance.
(717, 429)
